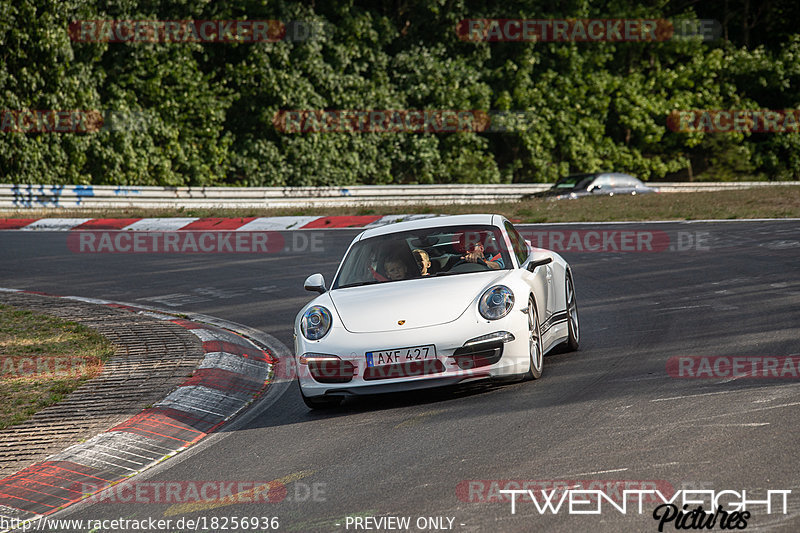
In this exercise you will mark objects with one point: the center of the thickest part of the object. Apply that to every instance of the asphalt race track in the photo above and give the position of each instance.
(610, 411)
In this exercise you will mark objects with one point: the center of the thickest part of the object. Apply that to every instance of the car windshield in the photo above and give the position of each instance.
(422, 253)
(584, 183)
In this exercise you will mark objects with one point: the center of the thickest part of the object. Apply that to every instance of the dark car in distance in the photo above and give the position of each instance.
(595, 184)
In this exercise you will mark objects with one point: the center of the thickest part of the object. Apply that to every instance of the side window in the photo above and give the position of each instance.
(519, 244)
(625, 182)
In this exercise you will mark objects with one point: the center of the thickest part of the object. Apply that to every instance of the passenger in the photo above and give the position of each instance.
(395, 268)
(423, 261)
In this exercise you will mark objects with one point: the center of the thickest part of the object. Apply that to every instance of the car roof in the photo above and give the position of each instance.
(598, 174)
(617, 174)
(578, 176)
(434, 222)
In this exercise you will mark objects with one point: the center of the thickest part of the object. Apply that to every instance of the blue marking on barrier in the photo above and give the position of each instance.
(82, 191)
(55, 195)
(18, 198)
(345, 192)
(27, 196)
(126, 191)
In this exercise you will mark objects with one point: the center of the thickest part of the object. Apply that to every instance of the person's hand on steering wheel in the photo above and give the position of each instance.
(476, 255)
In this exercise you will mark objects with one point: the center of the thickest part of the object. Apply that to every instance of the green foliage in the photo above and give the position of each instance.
(202, 114)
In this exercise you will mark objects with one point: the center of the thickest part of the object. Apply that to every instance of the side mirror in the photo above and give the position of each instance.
(315, 283)
(539, 262)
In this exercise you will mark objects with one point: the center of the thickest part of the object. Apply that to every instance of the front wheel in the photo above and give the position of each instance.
(573, 324)
(321, 402)
(534, 343)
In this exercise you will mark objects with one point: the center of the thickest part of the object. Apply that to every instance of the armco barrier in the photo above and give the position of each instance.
(110, 196)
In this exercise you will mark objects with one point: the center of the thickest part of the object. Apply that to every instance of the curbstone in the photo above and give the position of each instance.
(205, 375)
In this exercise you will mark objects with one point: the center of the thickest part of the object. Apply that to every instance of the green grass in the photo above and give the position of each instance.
(764, 202)
(42, 360)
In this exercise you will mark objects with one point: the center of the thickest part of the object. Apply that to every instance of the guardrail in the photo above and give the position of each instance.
(717, 185)
(117, 197)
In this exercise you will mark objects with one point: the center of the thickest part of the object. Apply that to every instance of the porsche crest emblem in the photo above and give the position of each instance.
(401, 322)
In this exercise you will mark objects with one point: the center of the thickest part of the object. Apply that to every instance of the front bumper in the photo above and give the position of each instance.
(453, 362)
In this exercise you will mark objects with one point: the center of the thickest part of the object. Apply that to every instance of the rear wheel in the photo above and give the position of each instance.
(573, 324)
(534, 342)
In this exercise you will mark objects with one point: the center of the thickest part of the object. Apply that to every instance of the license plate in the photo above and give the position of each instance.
(401, 355)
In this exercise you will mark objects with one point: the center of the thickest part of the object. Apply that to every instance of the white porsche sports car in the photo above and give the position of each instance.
(433, 302)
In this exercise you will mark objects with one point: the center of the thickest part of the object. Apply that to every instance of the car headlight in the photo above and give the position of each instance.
(315, 323)
(496, 302)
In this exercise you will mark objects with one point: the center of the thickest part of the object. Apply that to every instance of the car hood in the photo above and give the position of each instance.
(418, 302)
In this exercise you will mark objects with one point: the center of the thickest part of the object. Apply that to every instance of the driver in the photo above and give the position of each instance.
(479, 255)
